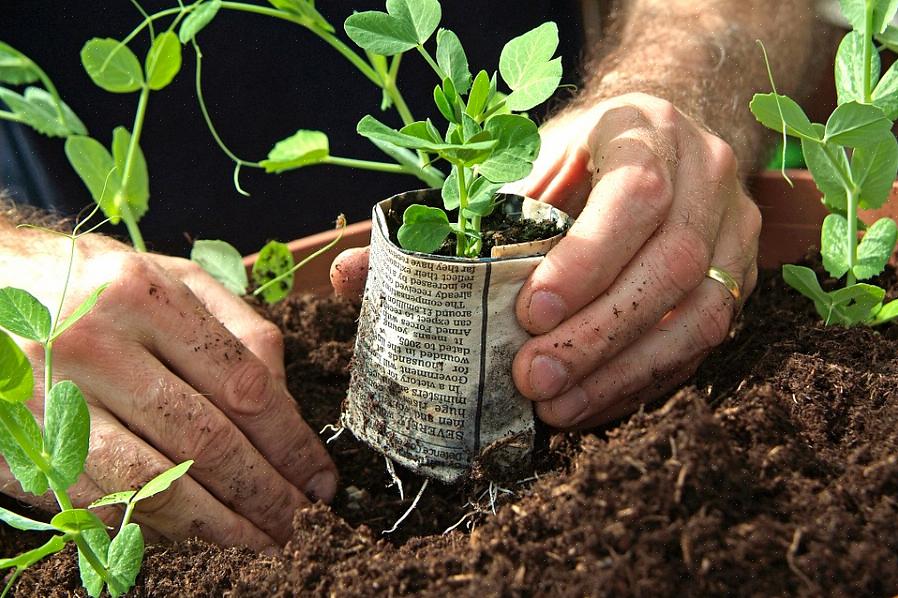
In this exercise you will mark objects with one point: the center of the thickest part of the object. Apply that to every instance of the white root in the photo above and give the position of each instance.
(391, 469)
(460, 521)
(409, 511)
(332, 428)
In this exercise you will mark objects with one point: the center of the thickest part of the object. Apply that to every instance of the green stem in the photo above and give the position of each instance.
(91, 557)
(851, 212)
(461, 242)
(11, 116)
(124, 207)
(868, 53)
(429, 59)
(305, 261)
(367, 165)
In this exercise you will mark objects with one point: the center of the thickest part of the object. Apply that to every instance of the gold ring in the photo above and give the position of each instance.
(727, 280)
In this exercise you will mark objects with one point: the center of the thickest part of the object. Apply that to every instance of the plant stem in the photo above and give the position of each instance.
(91, 557)
(367, 165)
(11, 116)
(851, 212)
(461, 242)
(868, 53)
(133, 145)
(429, 59)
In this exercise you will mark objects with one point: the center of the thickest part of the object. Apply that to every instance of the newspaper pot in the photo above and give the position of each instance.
(431, 383)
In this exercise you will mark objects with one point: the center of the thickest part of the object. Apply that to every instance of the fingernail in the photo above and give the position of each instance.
(547, 310)
(570, 408)
(547, 376)
(322, 486)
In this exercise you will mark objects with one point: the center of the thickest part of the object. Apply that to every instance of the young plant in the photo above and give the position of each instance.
(853, 159)
(486, 142)
(52, 457)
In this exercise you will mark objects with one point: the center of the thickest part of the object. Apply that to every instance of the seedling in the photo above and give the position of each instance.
(53, 457)
(853, 159)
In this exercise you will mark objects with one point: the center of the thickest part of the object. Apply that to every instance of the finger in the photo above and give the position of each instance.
(120, 461)
(673, 348)
(259, 335)
(349, 272)
(205, 355)
(182, 424)
(629, 202)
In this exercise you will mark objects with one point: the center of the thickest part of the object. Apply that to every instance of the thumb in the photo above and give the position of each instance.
(349, 272)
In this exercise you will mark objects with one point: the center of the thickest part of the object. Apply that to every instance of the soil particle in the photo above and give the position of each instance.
(774, 472)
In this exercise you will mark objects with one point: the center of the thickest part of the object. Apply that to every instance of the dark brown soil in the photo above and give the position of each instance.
(775, 472)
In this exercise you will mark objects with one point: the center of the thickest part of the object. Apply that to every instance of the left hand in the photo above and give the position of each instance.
(622, 309)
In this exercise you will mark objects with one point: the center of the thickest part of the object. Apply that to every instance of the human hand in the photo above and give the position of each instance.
(622, 309)
(174, 367)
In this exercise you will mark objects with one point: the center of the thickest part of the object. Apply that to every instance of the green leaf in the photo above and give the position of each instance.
(98, 540)
(24, 523)
(885, 96)
(421, 130)
(889, 38)
(39, 111)
(223, 262)
(66, 431)
(423, 228)
(834, 245)
(767, 106)
(83, 310)
(380, 33)
(820, 159)
(372, 128)
(22, 314)
(197, 20)
(876, 248)
(481, 197)
(479, 95)
(855, 12)
(422, 15)
(26, 559)
(849, 69)
(873, 168)
(162, 482)
(137, 190)
(125, 559)
(23, 468)
(856, 125)
(300, 149)
(116, 498)
(442, 102)
(452, 59)
(275, 259)
(527, 67)
(74, 521)
(163, 60)
(112, 65)
(96, 167)
(847, 306)
(886, 313)
(409, 159)
(517, 144)
(16, 375)
(15, 67)
(305, 9)
(449, 192)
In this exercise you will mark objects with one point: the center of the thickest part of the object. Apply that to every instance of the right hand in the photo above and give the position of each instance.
(173, 367)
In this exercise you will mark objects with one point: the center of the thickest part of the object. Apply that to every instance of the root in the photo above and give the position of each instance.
(391, 469)
(409, 511)
(332, 428)
(464, 517)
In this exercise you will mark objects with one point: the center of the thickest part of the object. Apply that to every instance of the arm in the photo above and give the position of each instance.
(173, 367)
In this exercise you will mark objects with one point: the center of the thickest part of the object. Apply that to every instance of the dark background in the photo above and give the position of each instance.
(262, 79)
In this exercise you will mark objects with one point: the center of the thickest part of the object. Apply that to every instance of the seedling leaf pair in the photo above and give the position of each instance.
(406, 24)
(41, 112)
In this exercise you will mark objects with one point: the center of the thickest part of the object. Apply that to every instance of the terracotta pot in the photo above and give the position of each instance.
(792, 219)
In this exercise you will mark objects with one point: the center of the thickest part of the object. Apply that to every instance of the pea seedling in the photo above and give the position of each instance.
(853, 159)
(53, 457)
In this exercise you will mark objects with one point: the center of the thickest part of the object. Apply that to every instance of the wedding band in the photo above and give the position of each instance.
(727, 280)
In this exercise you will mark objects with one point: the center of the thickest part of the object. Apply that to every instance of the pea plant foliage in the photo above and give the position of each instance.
(51, 457)
(853, 159)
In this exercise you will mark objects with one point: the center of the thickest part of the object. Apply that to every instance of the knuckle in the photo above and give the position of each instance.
(721, 157)
(713, 327)
(212, 443)
(248, 388)
(651, 185)
(684, 261)
(264, 334)
(753, 220)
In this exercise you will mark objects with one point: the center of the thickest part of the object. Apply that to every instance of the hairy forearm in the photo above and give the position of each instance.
(702, 56)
